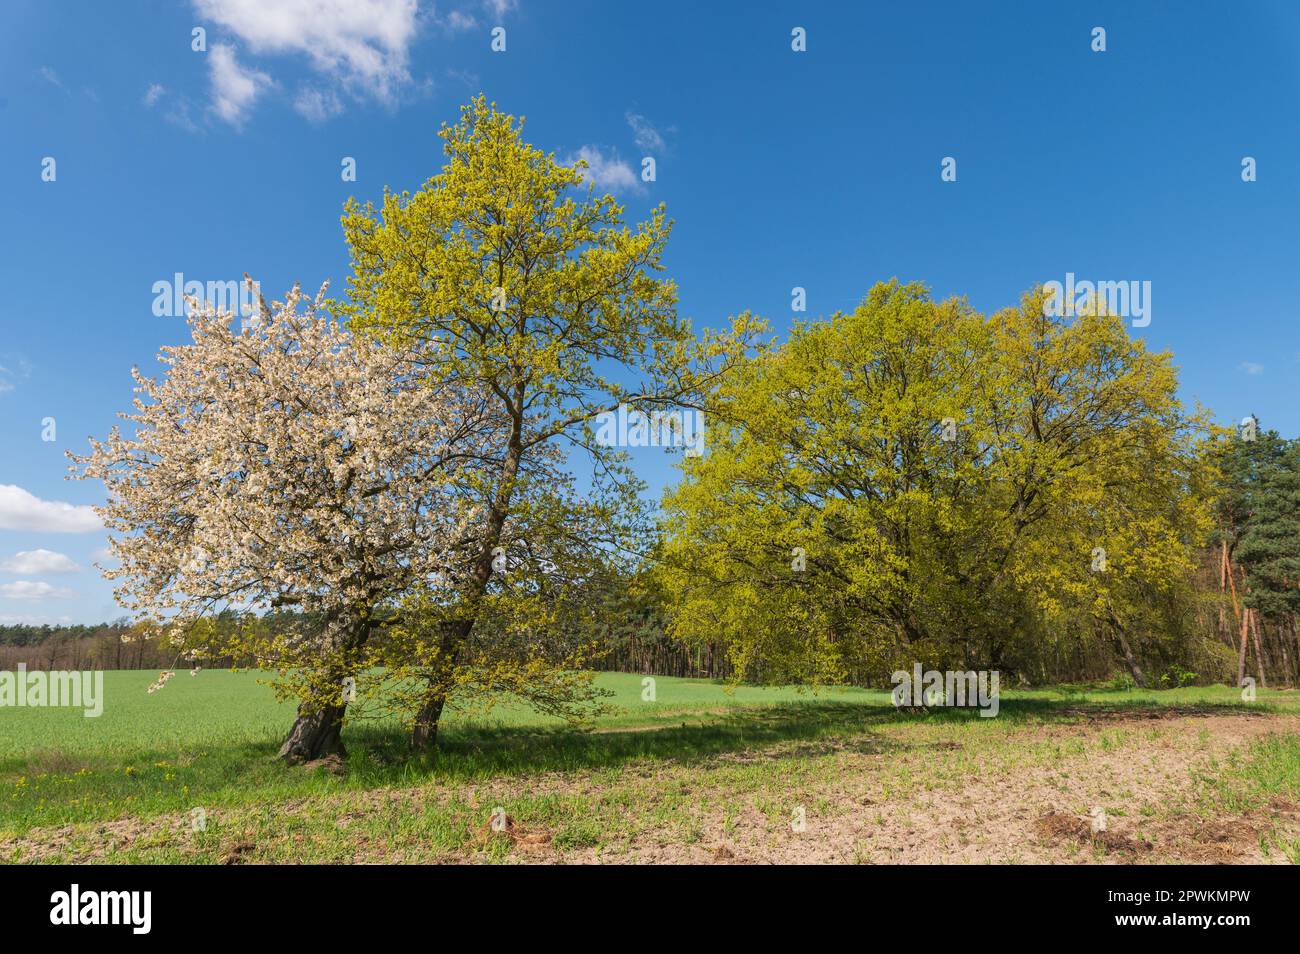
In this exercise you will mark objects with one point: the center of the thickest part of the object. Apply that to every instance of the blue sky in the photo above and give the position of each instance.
(818, 169)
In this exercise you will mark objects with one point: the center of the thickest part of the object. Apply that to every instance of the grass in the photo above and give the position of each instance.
(1263, 777)
(700, 749)
(211, 740)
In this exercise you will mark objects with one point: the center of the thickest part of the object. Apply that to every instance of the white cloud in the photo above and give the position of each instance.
(50, 77)
(459, 21)
(20, 510)
(644, 132)
(317, 105)
(234, 89)
(606, 171)
(468, 77)
(180, 115)
(34, 562)
(500, 7)
(18, 369)
(1250, 367)
(33, 590)
(173, 108)
(363, 44)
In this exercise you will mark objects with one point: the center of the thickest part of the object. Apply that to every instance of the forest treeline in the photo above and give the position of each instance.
(642, 647)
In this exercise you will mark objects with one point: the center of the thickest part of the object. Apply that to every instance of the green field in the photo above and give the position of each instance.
(700, 757)
(211, 739)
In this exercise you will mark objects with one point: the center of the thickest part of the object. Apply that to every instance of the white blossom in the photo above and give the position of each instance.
(286, 463)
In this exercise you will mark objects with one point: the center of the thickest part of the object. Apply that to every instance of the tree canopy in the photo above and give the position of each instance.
(913, 480)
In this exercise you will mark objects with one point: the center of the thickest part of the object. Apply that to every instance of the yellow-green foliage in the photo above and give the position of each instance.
(525, 289)
(947, 482)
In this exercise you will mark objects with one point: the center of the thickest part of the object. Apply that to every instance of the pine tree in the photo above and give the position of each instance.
(1269, 546)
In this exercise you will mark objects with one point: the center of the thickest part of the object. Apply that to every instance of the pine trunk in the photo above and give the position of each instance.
(1259, 650)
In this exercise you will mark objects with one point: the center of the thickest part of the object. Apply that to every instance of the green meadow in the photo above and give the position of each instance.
(210, 741)
(212, 738)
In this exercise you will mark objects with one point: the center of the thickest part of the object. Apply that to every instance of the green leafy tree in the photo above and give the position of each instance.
(914, 482)
(527, 288)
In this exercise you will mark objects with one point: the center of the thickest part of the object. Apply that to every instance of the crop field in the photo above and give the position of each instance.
(703, 772)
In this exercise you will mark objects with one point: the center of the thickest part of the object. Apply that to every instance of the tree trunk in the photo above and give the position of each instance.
(1138, 676)
(1241, 656)
(1286, 657)
(1259, 650)
(425, 734)
(1238, 614)
(317, 732)
(1295, 640)
(315, 735)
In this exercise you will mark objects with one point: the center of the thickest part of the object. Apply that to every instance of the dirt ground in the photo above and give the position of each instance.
(1037, 814)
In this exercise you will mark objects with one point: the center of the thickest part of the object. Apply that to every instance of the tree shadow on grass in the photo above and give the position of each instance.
(746, 733)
